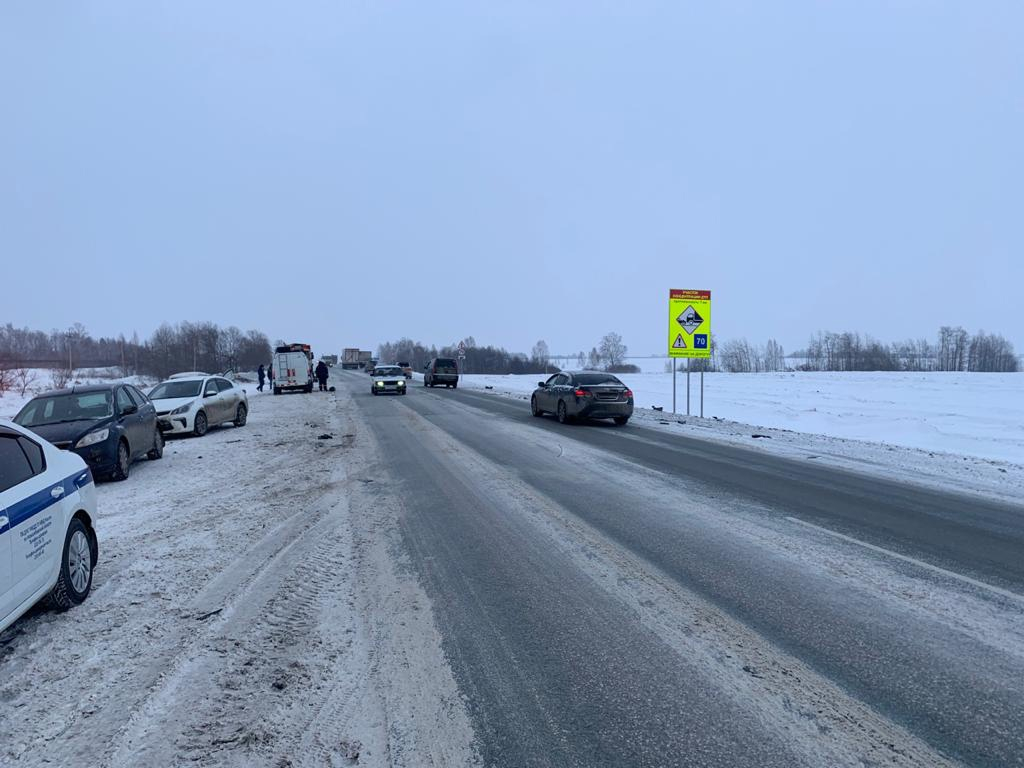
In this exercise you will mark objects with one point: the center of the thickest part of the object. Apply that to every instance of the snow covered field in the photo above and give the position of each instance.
(977, 415)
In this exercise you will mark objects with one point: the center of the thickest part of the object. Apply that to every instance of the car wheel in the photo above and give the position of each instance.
(455, 385)
(157, 451)
(277, 390)
(563, 415)
(373, 392)
(75, 578)
(621, 420)
(124, 462)
(241, 415)
(201, 425)
(533, 407)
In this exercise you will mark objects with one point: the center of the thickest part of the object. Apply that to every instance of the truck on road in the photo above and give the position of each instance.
(292, 368)
(350, 358)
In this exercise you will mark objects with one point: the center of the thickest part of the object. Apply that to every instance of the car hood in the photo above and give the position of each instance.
(72, 430)
(170, 403)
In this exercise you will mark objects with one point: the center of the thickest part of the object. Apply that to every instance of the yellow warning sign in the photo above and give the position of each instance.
(689, 323)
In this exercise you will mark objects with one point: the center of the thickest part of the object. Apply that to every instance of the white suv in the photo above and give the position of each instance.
(47, 540)
(194, 402)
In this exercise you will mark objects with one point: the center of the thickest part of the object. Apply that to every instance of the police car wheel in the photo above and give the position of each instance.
(75, 578)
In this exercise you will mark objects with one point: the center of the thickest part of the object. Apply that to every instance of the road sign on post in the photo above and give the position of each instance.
(689, 323)
(689, 335)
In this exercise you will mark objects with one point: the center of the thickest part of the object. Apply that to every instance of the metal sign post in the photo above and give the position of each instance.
(673, 385)
(702, 393)
(687, 387)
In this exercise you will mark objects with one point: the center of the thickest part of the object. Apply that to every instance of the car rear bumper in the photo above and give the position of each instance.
(444, 378)
(599, 410)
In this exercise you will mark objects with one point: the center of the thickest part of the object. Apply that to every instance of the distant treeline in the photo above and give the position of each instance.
(608, 355)
(479, 359)
(202, 346)
(954, 350)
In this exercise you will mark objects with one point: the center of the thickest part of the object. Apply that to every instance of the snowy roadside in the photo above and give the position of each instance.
(240, 616)
(993, 478)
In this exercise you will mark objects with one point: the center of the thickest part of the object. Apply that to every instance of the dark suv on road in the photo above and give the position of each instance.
(108, 425)
(583, 395)
(443, 371)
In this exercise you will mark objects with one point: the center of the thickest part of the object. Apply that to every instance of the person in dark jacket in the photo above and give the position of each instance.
(261, 374)
(321, 375)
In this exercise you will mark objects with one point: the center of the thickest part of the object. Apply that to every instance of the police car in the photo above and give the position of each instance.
(47, 541)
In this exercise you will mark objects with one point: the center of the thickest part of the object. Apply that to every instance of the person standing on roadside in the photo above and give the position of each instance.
(321, 375)
(261, 374)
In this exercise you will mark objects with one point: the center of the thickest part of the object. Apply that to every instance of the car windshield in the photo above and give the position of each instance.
(444, 365)
(169, 390)
(596, 378)
(63, 408)
(387, 370)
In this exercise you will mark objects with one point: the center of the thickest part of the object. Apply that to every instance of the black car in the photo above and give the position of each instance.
(443, 371)
(583, 395)
(108, 425)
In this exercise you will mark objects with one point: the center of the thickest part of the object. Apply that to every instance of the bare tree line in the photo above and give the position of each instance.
(955, 350)
(185, 346)
(609, 355)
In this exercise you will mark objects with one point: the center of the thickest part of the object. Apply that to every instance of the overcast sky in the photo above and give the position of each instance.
(345, 173)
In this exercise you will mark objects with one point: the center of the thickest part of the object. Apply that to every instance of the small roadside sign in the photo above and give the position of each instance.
(689, 323)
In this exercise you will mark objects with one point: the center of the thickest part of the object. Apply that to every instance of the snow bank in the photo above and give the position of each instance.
(978, 415)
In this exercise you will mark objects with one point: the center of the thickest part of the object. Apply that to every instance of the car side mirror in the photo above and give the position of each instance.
(128, 410)
(542, 384)
(209, 394)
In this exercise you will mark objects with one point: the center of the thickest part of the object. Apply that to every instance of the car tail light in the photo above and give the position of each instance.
(581, 393)
(628, 394)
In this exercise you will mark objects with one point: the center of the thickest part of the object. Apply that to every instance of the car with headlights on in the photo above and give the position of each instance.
(572, 395)
(191, 403)
(108, 425)
(388, 378)
(48, 545)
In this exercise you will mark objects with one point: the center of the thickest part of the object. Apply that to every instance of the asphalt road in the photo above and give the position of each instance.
(602, 592)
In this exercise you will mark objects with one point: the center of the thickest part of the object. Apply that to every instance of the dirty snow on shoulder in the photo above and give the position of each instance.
(969, 414)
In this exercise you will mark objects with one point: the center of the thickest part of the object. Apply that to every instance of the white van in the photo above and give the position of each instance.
(292, 368)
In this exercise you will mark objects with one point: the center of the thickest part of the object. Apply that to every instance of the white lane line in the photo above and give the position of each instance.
(913, 561)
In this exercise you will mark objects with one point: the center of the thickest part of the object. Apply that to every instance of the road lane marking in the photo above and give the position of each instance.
(913, 561)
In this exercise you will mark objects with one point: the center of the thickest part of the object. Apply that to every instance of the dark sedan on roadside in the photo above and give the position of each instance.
(583, 395)
(108, 425)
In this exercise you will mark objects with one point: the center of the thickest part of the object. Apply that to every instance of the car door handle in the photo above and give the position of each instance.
(57, 492)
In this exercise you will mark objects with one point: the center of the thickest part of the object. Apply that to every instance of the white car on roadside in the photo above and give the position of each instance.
(191, 403)
(48, 544)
